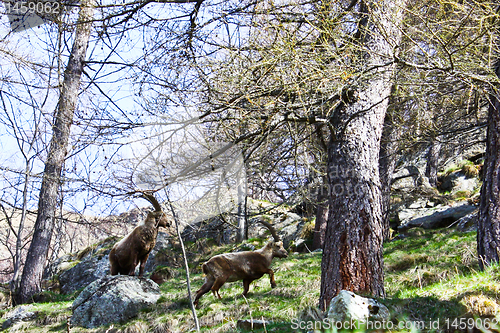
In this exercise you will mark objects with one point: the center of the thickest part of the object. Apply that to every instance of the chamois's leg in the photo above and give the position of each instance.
(271, 278)
(218, 284)
(205, 288)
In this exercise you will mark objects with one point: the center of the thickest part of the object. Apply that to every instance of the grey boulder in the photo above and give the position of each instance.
(113, 299)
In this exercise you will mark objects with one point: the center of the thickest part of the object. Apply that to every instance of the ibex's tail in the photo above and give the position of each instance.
(204, 268)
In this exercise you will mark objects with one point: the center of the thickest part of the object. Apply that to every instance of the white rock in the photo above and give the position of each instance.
(347, 306)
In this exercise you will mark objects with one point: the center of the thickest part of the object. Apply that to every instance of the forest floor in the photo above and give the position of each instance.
(432, 281)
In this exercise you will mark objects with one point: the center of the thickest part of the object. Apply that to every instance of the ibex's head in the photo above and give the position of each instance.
(160, 218)
(277, 245)
(278, 250)
(158, 215)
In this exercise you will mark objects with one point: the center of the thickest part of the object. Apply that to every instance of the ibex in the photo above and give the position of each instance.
(246, 266)
(136, 246)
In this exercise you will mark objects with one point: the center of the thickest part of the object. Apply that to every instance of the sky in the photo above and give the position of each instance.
(37, 44)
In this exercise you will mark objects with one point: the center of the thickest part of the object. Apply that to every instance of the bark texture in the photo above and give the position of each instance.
(387, 156)
(431, 168)
(488, 229)
(321, 144)
(321, 218)
(242, 230)
(352, 255)
(47, 203)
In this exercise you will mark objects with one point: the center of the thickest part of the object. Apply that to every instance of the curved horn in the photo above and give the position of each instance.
(271, 230)
(149, 197)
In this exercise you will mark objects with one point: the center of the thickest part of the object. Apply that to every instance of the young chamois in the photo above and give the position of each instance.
(246, 266)
(136, 246)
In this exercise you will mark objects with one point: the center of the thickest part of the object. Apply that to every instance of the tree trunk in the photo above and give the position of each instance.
(387, 156)
(47, 202)
(352, 255)
(321, 217)
(431, 168)
(488, 224)
(242, 231)
(15, 282)
(322, 199)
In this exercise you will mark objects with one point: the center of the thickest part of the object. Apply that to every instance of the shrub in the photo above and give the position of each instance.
(470, 170)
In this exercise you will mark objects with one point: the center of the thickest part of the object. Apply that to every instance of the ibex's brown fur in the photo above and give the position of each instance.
(246, 266)
(136, 246)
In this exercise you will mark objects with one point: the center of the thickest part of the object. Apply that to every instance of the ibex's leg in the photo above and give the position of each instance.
(113, 263)
(131, 271)
(209, 282)
(216, 294)
(217, 284)
(143, 264)
(141, 268)
(113, 269)
(271, 278)
(246, 286)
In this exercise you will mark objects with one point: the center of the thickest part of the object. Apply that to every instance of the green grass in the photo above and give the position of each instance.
(49, 317)
(298, 287)
(432, 276)
(435, 277)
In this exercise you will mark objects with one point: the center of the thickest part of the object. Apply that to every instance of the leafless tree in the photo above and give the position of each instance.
(47, 204)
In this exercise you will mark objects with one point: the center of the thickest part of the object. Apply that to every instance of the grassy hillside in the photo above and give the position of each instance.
(431, 276)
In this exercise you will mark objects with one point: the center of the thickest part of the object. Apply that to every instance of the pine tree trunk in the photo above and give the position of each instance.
(488, 228)
(47, 202)
(352, 255)
(388, 150)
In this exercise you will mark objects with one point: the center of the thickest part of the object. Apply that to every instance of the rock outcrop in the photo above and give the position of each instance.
(91, 267)
(113, 299)
(289, 225)
(20, 313)
(468, 222)
(435, 217)
(75, 272)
